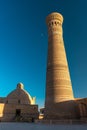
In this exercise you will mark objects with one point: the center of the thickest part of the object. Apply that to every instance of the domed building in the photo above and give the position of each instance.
(18, 106)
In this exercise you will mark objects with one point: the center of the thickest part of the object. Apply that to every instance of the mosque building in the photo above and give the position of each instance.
(18, 106)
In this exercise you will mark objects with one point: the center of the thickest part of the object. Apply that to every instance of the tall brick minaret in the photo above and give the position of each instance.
(59, 92)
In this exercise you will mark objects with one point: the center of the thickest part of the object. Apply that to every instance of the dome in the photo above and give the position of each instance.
(19, 95)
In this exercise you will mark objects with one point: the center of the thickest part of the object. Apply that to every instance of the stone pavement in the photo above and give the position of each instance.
(32, 126)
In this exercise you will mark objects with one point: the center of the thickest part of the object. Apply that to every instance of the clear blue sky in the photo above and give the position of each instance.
(23, 44)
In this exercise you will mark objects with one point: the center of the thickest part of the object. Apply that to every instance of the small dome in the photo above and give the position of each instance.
(19, 94)
(20, 86)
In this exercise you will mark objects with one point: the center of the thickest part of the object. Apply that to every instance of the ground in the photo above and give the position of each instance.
(31, 126)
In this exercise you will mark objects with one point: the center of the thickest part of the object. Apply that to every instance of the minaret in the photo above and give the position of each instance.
(58, 84)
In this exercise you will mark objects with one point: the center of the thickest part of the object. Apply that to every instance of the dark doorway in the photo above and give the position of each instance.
(18, 112)
(32, 119)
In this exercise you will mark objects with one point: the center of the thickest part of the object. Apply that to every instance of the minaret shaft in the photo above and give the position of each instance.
(58, 83)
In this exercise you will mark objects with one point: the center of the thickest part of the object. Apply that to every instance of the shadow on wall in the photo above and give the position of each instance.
(74, 109)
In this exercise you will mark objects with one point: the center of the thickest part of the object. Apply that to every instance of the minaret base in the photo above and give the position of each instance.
(62, 110)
